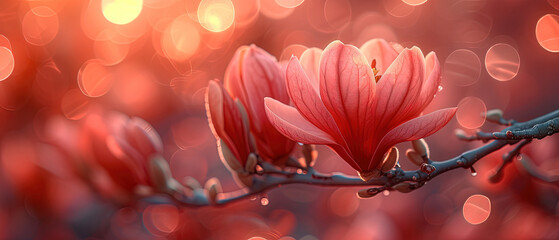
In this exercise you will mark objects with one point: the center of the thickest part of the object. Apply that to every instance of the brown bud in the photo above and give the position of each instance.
(366, 193)
(228, 158)
(243, 179)
(414, 157)
(160, 173)
(191, 183)
(310, 154)
(460, 133)
(403, 187)
(427, 168)
(420, 146)
(494, 115)
(366, 176)
(390, 159)
(250, 165)
(213, 186)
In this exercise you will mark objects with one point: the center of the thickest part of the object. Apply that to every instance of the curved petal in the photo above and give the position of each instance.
(261, 78)
(307, 101)
(347, 89)
(290, 123)
(399, 88)
(432, 80)
(310, 60)
(381, 51)
(414, 129)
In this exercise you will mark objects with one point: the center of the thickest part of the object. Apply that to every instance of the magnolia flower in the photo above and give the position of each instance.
(339, 102)
(124, 147)
(228, 126)
(252, 75)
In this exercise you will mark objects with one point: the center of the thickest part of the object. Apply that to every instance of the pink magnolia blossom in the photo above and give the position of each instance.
(123, 147)
(228, 126)
(338, 101)
(252, 75)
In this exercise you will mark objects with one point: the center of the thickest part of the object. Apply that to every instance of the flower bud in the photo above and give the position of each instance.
(494, 115)
(420, 146)
(367, 193)
(296, 162)
(403, 187)
(414, 157)
(191, 183)
(213, 186)
(228, 157)
(390, 159)
(250, 166)
(310, 154)
(243, 178)
(366, 176)
(160, 173)
(460, 133)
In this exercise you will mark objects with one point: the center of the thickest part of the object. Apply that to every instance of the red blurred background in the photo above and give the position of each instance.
(61, 60)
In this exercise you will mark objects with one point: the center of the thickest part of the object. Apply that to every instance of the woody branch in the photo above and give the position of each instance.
(269, 177)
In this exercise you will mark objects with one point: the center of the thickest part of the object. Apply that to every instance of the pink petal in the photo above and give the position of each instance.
(307, 101)
(262, 78)
(414, 129)
(310, 60)
(399, 88)
(214, 108)
(347, 88)
(381, 51)
(233, 81)
(290, 123)
(432, 79)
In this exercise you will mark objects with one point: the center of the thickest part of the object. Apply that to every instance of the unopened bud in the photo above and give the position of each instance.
(494, 115)
(213, 186)
(228, 158)
(403, 187)
(250, 165)
(295, 162)
(160, 173)
(191, 183)
(310, 154)
(460, 133)
(366, 176)
(367, 193)
(390, 159)
(243, 179)
(414, 157)
(420, 146)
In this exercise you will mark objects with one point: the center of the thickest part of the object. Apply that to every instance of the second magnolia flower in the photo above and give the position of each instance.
(338, 101)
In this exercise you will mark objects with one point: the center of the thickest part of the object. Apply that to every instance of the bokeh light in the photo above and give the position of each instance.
(502, 61)
(7, 63)
(74, 104)
(462, 67)
(94, 79)
(180, 39)
(414, 2)
(121, 11)
(471, 112)
(162, 219)
(289, 3)
(547, 32)
(477, 209)
(216, 15)
(40, 26)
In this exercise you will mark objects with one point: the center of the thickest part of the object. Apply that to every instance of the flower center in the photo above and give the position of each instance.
(375, 70)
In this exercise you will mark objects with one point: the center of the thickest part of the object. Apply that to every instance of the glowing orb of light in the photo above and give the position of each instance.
(289, 3)
(6, 63)
(502, 62)
(121, 11)
(547, 32)
(462, 67)
(40, 26)
(414, 2)
(470, 113)
(216, 15)
(476, 209)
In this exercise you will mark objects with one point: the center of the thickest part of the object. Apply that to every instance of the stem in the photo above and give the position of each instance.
(540, 127)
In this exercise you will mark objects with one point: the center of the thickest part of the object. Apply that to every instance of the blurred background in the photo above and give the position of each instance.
(61, 60)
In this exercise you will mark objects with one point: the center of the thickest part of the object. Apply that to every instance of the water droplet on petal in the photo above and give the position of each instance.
(440, 88)
(386, 192)
(264, 201)
(519, 157)
(474, 174)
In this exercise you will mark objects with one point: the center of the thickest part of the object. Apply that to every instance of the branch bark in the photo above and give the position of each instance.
(518, 133)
